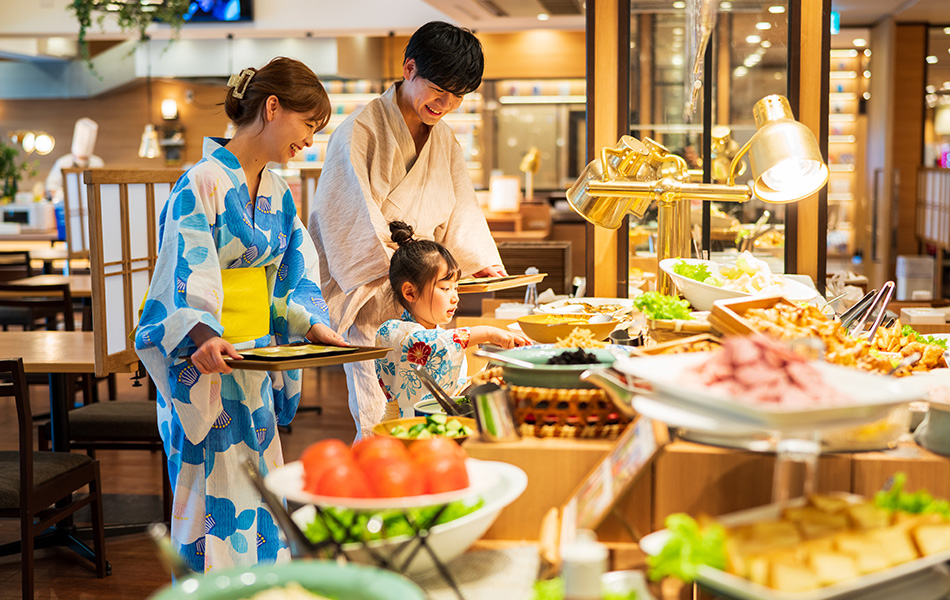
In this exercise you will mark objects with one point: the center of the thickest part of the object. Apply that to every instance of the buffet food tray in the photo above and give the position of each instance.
(872, 396)
(727, 316)
(478, 285)
(905, 579)
(345, 354)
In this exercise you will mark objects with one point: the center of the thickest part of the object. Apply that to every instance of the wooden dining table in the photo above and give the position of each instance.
(57, 354)
(80, 286)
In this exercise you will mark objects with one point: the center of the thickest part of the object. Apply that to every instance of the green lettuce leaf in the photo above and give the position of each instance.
(659, 306)
(699, 272)
(688, 548)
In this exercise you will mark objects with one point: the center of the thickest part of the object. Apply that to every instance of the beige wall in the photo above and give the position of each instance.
(121, 115)
(537, 54)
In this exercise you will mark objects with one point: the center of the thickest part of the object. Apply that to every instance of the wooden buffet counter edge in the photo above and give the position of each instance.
(684, 477)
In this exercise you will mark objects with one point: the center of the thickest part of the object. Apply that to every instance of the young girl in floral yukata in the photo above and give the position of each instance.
(424, 278)
(229, 234)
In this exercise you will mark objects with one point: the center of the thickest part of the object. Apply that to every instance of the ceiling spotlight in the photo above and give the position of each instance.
(776, 10)
(762, 26)
(543, 16)
(859, 42)
(740, 71)
(867, 52)
(931, 60)
(946, 30)
(867, 74)
(866, 95)
(931, 89)
(753, 39)
(679, 4)
(766, 44)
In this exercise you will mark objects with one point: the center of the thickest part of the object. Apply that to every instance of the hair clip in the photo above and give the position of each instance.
(240, 82)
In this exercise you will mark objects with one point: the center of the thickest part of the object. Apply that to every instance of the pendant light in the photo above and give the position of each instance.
(148, 147)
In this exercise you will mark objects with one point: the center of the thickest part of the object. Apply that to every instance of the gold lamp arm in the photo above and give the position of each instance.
(736, 159)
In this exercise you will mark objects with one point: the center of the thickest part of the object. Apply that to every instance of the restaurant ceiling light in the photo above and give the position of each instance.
(859, 42)
(725, 5)
(946, 30)
(931, 89)
(679, 4)
(148, 147)
(740, 71)
(931, 60)
(867, 74)
(677, 31)
(753, 39)
(28, 141)
(43, 143)
(677, 60)
(776, 10)
(766, 44)
(763, 26)
(169, 109)
(543, 16)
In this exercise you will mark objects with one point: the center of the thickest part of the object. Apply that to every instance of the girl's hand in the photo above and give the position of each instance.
(322, 334)
(509, 339)
(492, 271)
(207, 358)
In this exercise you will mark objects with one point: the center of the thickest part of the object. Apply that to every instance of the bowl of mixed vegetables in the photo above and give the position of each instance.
(415, 428)
(702, 282)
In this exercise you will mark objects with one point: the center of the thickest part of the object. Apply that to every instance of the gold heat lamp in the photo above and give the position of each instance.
(786, 167)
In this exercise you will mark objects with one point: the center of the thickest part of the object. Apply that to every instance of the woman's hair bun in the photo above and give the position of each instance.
(401, 232)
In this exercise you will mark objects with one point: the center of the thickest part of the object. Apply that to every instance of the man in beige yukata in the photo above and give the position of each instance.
(396, 160)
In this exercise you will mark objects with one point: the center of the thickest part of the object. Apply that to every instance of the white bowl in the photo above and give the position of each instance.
(702, 295)
(448, 540)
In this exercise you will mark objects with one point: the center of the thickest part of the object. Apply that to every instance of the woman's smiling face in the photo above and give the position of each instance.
(427, 101)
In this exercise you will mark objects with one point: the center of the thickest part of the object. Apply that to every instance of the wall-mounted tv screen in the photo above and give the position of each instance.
(206, 11)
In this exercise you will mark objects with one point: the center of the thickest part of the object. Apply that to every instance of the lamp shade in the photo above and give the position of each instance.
(148, 148)
(786, 162)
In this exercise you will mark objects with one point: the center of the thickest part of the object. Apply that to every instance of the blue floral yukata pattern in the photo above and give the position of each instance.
(440, 351)
(213, 423)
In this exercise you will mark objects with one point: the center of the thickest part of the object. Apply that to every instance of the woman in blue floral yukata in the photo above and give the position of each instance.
(236, 269)
(424, 278)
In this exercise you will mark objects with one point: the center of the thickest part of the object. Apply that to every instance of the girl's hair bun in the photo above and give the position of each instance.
(401, 232)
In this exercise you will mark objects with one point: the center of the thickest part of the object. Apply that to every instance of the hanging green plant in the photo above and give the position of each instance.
(130, 15)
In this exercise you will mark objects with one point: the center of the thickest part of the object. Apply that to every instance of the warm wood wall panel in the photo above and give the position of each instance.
(910, 50)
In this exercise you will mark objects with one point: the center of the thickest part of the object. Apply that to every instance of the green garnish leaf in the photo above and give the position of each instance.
(688, 548)
(660, 306)
(894, 498)
(907, 330)
(699, 272)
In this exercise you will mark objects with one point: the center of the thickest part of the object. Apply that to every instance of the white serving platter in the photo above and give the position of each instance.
(872, 396)
(922, 579)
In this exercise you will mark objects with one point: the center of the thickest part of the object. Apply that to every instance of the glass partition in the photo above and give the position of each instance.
(749, 60)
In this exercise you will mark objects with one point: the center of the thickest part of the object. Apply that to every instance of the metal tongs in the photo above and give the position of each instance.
(300, 545)
(879, 302)
(451, 407)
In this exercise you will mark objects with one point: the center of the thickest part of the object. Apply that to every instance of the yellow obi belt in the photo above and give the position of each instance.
(245, 310)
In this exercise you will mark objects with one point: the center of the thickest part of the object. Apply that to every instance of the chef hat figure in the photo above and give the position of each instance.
(84, 140)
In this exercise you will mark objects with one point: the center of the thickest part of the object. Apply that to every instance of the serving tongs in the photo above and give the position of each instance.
(879, 303)
(451, 407)
(299, 544)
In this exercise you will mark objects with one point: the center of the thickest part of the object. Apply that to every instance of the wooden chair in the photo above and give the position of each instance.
(15, 264)
(31, 483)
(26, 305)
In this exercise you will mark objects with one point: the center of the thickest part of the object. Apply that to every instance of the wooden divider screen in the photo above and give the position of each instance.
(76, 210)
(124, 211)
(308, 188)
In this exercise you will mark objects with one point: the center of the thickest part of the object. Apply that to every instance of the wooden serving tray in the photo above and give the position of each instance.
(726, 316)
(306, 362)
(663, 330)
(657, 349)
(491, 284)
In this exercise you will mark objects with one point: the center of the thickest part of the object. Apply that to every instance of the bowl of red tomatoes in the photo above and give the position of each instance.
(380, 487)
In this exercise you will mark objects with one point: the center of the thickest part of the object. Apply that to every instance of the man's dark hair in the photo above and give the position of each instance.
(448, 56)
